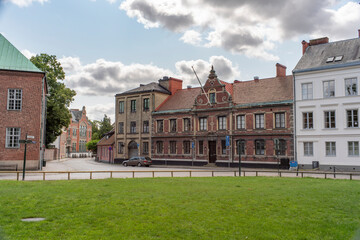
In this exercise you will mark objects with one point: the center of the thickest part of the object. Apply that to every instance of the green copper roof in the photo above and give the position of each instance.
(12, 59)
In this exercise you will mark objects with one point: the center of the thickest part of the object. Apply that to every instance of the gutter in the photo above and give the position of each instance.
(349, 64)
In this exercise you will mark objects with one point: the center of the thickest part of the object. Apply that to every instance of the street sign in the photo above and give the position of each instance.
(110, 148)
(26, 141)
(192, 145)
(227, 141)
(30, 137)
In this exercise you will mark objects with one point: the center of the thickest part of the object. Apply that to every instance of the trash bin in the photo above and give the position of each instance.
(44, 163)
(315, 164)
(284, 163)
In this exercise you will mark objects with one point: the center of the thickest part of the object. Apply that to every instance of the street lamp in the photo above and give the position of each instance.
(239, 151)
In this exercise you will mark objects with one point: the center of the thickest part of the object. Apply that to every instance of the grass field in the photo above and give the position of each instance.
(182, 208)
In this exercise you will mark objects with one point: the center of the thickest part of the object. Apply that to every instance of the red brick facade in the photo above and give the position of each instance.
(29, 119)
(266, 115)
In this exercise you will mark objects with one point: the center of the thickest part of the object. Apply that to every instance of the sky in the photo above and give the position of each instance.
(110, 46)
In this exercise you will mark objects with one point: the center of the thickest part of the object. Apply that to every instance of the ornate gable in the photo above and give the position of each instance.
(216, 92)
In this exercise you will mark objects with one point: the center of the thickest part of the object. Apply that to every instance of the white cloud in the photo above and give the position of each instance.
(27, 53)
(25, 3)
(97, 112)
(249, 27)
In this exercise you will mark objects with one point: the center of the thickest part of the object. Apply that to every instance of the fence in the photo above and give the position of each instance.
(67, 175)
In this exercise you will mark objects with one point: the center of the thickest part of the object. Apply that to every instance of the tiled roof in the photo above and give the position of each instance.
(228, 87)
(316, 56)
(263, 90)
(108, 139)
(182, 99)
(12, 59)
(75, 115)
(151, 87)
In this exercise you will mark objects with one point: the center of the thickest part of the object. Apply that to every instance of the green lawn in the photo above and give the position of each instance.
(182, 208)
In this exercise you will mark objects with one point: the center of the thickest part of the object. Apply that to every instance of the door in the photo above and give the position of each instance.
(133, 149)
(212, 151)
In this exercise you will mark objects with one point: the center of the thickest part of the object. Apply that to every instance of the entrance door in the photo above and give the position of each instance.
(212, 151)
(133, 149)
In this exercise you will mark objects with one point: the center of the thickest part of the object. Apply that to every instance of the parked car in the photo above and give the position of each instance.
(138, 161)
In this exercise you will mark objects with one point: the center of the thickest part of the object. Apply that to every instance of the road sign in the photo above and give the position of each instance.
(192, 145)
(30, 137)
(227, 141)
(26, 141)
(110, 148)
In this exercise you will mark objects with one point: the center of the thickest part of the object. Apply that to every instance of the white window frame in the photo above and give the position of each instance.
(280, 120)
(329, 88)
(307, 91)
(203, 124)
(306, 120)
(240, 122)
(222, 122)
(328, 118)
(12, 137)
(349, 87)
(259, 121)
(14, 101)
(308, 149)
(353, 148)
(330, 149)
(354, 118)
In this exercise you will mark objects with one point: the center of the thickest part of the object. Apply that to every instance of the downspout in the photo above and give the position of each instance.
(43, 122)
(294, 119)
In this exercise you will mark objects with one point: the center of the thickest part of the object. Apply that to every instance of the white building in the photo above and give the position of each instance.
(327, 104)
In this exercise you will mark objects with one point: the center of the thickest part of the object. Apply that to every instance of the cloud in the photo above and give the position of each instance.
(97, 112)
(248, 27)
(27, 53)
(25, 3)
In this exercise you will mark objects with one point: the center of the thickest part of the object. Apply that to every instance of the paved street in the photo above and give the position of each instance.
(83, 167)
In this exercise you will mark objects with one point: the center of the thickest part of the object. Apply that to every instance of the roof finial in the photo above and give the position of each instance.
(212, 73)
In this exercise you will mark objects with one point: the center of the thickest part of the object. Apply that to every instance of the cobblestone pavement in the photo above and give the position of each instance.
(89, 164)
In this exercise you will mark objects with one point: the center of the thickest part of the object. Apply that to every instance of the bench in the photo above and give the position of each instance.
(8, 167)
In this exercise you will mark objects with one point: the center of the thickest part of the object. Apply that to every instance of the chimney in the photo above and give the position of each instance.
(319, 41)
(256, 78)
(171, 84)
(188, 86)
(305, 45)
(280, 70)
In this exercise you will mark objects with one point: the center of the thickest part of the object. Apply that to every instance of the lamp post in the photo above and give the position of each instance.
(239, 150)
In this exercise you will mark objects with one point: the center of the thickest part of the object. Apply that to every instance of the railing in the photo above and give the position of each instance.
(63, 175)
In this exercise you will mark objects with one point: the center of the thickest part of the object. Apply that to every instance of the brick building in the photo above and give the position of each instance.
(133, 116)
(23, 90)
(78, 134)
(199, 127)
(105, 148)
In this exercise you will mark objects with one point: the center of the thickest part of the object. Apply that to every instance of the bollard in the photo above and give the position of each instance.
(68, 175)
(43, 176)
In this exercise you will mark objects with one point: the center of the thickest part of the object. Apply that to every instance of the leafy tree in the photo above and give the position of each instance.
(95, 130)
(57, 113)
(105, 126)
(91, 145)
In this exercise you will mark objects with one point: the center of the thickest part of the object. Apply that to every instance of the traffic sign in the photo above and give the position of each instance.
(26, 141)
(227, 141)
(192, 145)
(30, 137)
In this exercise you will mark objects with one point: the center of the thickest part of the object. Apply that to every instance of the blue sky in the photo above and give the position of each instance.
(110, 46)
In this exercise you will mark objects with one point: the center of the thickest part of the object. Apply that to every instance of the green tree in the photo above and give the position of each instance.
(60, 97)
(95, 130)
(105, 126)
(92, 145)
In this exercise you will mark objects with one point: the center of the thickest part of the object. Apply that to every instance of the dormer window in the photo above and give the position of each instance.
(338, 58)
(330, 59)
(212, 96)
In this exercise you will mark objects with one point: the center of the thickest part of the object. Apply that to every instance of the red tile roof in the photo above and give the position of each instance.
(182, 99)
(228, 87)
(107, 140)
(263, 90)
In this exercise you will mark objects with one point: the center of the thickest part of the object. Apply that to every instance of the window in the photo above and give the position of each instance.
(350, 86)
(201, 147)
(160, 126)
(203, 123)
(259, 121)
(132, 127)
(172, 125)
(187, 124)
(240, 122)
(68, 131)
(329, 117)
(73, 147)
(308, 120)
(133, 106)
(308, 149)
(223, 147)
(146, 126)
(352, 118)
(307, 91)
(212, 97)
(260, 147)
(329, 88)
(338, 58)
(120, 147)
(82, 146)
(159, 147)
(145, 147)
(82, 131)
(121, 127)
(330, 148)
(172, 147)
(353, 148)
(282, 147)
(121, 107)
(74, 131)
(13, 137)
(222, 123)
(146, 104)
(186, 145)
(279, 120)
(14, 99)
(242, 147)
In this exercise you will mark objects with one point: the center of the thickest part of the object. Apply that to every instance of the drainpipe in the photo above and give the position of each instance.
(43, 122)
(294, 120)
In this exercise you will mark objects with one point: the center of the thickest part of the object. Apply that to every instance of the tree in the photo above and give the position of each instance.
(92, 145)
(105, 126)
(60, 97)
(95, 130)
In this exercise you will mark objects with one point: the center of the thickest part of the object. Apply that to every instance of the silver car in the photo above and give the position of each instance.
(138, 161)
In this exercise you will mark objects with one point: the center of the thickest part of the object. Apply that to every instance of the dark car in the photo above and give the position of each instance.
(138, 161)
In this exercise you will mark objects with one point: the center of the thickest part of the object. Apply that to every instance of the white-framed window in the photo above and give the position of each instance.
(329, 117)
(259, 121)
(172, 125)
(308, 149)
(13, 137)
(260, 147)
(330, 148)
(307, 91)
(203, 123)
(308, 120)
(187, 124)
(14, 99)
(353, 148)
(352, 118)
(279, 120)
(240, 121)
(146, 104)
(222, 123)
(146, 126)
(350, 86)
(329, 88)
